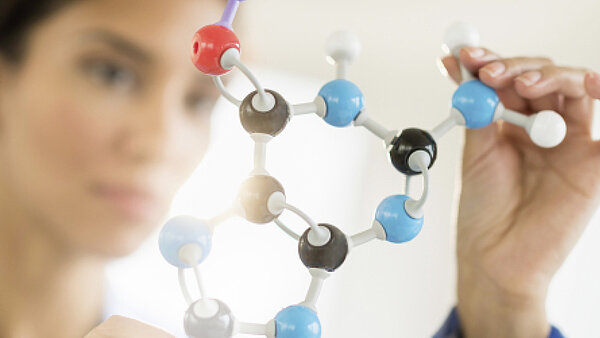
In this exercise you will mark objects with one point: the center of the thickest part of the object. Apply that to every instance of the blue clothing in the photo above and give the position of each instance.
(451, 328)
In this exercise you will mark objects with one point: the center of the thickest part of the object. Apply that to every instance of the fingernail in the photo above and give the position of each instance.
(494, 69)
(475, 52)
(442, 67)
(530, 78)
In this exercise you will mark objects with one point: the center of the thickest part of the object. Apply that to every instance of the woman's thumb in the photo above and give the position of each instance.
(122, 327)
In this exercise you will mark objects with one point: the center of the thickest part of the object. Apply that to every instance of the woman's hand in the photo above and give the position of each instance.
(121, 327)
(522, 207)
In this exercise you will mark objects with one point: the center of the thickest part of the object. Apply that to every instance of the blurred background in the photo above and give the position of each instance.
(339, 176)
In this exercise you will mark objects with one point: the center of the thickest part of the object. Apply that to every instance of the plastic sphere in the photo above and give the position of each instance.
(201, 322)
(343, 45)
(329, 256)
(254, 195)
(548, 129)
(459, 35)
(398, 225)
(409, 141)
(344, 101)
(297, 321)
(180, 231)
(476, 102)
(271, 122)
(209, 43)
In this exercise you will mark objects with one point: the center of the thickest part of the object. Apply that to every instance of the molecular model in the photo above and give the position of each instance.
(185, 241)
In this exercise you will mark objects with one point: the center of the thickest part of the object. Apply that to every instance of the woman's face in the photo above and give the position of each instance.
(104, 119)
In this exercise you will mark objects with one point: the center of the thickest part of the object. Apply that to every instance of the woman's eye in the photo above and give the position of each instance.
(110, 74)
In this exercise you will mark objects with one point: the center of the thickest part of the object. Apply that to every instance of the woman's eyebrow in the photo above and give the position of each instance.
(119, 43)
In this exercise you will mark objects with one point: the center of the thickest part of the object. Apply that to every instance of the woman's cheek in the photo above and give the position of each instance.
(66, 143)
(49, 144)
(192, 147)
(71, 138)
(73, 145)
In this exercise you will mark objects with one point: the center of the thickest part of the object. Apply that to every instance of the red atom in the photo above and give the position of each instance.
(209, 44)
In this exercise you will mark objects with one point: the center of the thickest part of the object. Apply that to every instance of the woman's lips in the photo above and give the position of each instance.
(132, 202)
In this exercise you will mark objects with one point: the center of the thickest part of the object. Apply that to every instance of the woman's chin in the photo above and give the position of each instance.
(119, 244)
(109, 229)
(112, 237)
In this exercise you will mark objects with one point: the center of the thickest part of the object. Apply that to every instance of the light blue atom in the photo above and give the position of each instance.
(297, 321)
(398, 225)
(344, 101)
(182, 230)
(476, 102)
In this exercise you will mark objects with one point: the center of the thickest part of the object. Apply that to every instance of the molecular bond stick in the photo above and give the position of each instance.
(185, 241)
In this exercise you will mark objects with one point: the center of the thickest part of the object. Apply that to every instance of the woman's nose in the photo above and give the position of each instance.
(150, 133)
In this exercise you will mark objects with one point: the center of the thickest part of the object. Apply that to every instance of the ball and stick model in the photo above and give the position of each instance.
(185, 241)
(476, 105)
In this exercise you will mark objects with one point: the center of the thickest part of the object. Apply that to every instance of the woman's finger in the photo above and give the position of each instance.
(501, 73)
(473, 58)
(512, 100)
(451, 65)
(547, 102)
(552, 79)
(122, 327)
(592, 84)
(560, 81)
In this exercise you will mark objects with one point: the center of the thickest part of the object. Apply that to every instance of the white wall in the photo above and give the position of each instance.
(383, 290)
(398, 74)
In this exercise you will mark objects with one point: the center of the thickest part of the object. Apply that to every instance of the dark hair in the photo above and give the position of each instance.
(17, 18)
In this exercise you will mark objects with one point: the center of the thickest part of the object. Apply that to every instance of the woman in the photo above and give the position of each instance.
(102, 118)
